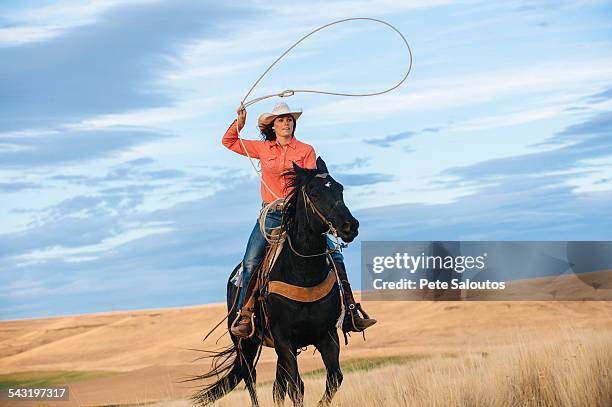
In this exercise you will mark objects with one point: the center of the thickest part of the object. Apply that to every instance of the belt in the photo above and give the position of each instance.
(276, 207)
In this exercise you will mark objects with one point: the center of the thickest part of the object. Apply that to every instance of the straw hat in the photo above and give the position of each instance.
(279, 110)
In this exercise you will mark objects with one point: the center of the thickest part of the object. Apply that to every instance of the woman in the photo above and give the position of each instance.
(276, 153)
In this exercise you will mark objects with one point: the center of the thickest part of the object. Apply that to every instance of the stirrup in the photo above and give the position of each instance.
(352, 315)
(244, 324)
(359, 309)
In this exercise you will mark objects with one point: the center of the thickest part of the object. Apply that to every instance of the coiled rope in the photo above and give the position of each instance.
(291, 92)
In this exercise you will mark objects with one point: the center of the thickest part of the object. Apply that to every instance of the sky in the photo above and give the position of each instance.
(117, 193)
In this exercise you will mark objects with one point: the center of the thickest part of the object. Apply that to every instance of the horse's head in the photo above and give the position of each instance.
(323, 201)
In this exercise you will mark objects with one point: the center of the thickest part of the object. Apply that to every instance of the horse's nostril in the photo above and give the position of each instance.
(347, 226)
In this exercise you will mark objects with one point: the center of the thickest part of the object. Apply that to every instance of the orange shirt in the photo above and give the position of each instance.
(274, 159)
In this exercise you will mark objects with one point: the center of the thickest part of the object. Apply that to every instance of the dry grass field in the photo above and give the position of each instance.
(569, 371)
(420, 353)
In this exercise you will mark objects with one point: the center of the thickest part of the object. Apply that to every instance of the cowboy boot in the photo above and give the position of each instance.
(353, 322)
(243, 326)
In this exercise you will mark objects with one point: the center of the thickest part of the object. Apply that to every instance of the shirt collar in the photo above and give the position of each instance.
(292, 143)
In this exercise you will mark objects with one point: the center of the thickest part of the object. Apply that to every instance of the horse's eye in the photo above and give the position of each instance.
(328, 184)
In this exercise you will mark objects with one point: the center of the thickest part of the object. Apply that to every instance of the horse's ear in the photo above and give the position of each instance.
(321, 165)
(298, 170)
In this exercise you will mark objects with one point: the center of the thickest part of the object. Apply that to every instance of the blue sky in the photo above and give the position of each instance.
(117, 193)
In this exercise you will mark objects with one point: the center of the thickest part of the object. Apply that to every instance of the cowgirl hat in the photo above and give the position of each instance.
(279, 110)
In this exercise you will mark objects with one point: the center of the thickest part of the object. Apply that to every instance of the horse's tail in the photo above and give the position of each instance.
(228, 372)
(229, 367)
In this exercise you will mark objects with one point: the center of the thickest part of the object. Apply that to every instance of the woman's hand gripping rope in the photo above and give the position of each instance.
(241, 116)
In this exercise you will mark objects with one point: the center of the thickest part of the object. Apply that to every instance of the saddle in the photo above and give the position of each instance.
(260, 287)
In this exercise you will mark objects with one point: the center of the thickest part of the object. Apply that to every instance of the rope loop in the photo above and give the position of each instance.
(292, 92)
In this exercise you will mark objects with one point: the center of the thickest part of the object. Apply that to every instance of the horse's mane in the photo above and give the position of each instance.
(295, 182)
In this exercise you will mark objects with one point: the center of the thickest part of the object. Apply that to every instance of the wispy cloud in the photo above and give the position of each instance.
(524, 209)
(167, 251)
(588, 140)
(509, 119)
(71, 146)
(90, 252)
(358, 162)
(18, 186)
(46, 22)
(480, 89)
(601, 96)
(107, 68)
(388, 141)
(353, 180)
(348, 8)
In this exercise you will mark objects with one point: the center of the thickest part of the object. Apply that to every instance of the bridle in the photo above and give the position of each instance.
(331, 230)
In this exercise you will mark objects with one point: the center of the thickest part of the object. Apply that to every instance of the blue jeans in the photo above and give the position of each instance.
(256, 250)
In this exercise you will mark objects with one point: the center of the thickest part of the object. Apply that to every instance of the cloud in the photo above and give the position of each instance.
(519, 208)
(165, 174)
(389, 140)
(132, 171)
(8, 187)
(107, 67)
(590, 139)
(345, 8)
(527, 197)
(546, 7)
(575, 158)
(343, 173)
(180, 255)
(527, 208)
(476, 89)
(71, 146)
(93, 251)
(358, 162)
(123, 190)
(353, 180)
(141, 161)
(600, 125)
(46, 22)
(601, 96)
(76, 179)
(508, 119)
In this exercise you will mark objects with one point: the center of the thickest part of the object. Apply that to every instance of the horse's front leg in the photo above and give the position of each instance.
(287, 373)
(329, 347)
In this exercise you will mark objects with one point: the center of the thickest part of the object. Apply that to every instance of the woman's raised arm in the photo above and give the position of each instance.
(230, 138)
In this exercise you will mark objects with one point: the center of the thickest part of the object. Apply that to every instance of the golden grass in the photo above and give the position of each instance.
(568, 370)
(33, 379)
(148, 351)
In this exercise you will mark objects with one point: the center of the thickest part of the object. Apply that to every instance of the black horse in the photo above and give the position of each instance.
(314, 207)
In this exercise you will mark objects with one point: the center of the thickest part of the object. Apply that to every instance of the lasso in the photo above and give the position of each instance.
(291, 92)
